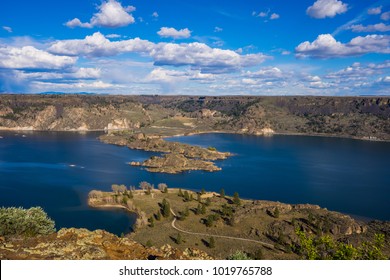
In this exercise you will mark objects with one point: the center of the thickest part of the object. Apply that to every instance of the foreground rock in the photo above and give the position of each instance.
(82, 244)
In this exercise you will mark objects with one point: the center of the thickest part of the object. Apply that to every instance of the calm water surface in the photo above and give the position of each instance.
(57, 170)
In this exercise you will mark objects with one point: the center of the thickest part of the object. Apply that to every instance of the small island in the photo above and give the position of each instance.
(175, 163)
(228, 227)
(177, 157)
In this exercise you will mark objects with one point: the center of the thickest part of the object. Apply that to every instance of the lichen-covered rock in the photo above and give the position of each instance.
(82, 244)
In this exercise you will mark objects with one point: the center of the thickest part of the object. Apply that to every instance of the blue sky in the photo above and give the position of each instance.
(251, 47)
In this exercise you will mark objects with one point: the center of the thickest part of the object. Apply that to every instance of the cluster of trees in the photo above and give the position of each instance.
(145, 186)
(186, 195)
(209, 221)
(25, 222)
(201, 209)
(226, 212)
(118, 188)
(164, 211)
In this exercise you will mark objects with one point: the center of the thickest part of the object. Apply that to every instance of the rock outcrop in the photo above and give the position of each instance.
(82, 244)
(175, 163)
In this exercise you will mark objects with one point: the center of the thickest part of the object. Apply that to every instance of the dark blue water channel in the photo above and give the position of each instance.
(57, 170)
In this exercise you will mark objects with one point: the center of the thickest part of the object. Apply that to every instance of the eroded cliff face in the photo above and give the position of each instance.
(82, 244)
(358, 117)
(69, 114)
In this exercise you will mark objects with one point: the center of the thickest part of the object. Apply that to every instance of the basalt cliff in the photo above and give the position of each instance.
(356, 117)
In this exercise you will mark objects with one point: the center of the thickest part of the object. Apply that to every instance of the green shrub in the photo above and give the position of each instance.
(186, 196)
(222, 193)
(25, 222)
(165, 208)
(149, 243)
(151, 221)
(236, 199)
(180, 193)
(238, 255)
(211, 243)
(179, 239)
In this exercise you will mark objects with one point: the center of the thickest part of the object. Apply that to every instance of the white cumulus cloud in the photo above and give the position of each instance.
(262, 14)
(167, 79)
(155, 15)
(266, 73)
(77, 23)
(326, 8)
(385, 79)
(29, 57)
(111, 14)
(385, 16)
(98, 45)
(198, 56)
(170, 32)
(203, 57)
(357, 71)
(325, 46)
(375, 11)
(265, 15)
(165, 75)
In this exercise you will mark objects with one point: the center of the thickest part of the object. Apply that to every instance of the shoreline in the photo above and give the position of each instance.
(251, 223)
(205, 132)
(278, 133)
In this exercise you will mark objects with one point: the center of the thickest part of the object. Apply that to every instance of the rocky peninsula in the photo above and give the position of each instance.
(261, 229)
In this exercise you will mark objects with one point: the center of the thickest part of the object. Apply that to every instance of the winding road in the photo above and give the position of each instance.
(215, 235)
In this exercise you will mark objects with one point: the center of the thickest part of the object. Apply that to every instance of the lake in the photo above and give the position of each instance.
(56, 170)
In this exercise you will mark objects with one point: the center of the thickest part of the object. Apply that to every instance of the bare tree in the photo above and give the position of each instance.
(95, 194)
(162, 187)
(115, 188)
(122, 188)
(145, 185)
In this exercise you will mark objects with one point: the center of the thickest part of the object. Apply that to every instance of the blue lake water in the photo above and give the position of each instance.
(56, 170)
